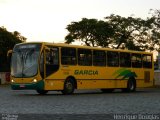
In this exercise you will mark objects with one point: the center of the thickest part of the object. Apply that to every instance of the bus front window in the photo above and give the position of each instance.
(25, 60)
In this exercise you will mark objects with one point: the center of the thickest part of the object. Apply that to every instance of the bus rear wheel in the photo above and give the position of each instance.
(42, 92)
(131, 85)
(69, 86)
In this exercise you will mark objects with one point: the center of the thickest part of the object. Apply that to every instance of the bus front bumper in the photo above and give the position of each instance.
(28, 86)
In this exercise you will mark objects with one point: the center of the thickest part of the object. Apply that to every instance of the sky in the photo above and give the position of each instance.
(46, 20)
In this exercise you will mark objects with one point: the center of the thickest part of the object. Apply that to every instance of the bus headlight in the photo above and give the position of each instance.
(34, 80)
(12, 81)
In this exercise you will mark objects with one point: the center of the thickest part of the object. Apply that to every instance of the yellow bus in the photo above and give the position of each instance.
(61, 67)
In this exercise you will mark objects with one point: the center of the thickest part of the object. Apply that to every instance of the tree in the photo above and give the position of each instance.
(115, 32)
(118, 32)
(90, 31)
(133, 33)
(7, 42)
(19, 36)
(155, 30)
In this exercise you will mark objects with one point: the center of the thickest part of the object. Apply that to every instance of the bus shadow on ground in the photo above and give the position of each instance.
(86, 92)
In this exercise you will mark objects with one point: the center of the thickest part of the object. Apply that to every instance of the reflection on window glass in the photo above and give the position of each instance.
(68, 56)
(84, 57)
(99, 58)
(136, 60)
(112, 58)
(125, 59)
(52, 56)
(25, 60)
(147, 61)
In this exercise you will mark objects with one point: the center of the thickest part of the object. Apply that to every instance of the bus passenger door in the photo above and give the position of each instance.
(43, 62)
(51, 61)
(42, 65)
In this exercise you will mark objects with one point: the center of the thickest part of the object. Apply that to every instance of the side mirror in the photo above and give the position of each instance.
(9, 55)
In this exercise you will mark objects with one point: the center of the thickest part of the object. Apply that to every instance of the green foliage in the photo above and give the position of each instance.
(155, 31)
(123, 29)
(90, 31)
(118, 32)
(7, 42)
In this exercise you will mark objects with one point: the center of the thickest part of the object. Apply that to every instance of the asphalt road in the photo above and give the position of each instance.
(84, 104)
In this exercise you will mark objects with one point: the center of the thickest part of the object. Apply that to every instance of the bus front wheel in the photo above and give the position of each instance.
(69, 86)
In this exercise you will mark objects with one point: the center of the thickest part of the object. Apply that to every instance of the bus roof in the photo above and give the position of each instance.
(87, 47)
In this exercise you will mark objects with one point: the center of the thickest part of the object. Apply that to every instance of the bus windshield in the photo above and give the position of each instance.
(25, 60)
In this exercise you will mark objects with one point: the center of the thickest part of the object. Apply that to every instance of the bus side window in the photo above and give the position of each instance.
(68, 56)
(52, 60)
(112, 59)
(125, 59)
(147, 61)
(52, 57)
(136, 60)
(99, 58)
(84, 57)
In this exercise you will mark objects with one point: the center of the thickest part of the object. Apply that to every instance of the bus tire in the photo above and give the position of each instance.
(42, 92)
(131, 85)
(69, 86)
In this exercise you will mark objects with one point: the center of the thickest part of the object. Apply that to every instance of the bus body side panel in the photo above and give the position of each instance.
(54, 84)
(147, 78)
(90, 77)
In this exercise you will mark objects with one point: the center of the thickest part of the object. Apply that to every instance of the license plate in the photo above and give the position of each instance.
(22, 86)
